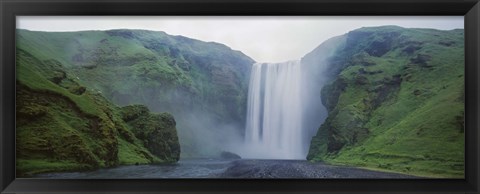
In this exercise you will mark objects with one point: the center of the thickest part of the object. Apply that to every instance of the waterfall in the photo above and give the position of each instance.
(274, 112)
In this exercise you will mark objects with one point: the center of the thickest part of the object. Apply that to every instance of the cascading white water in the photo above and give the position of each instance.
(274, 112)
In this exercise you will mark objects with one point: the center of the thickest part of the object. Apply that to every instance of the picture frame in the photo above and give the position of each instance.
(9, 9)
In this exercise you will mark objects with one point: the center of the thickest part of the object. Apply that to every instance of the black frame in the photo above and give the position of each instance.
(10, 8)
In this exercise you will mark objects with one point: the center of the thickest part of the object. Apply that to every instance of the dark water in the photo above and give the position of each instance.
(216, 168)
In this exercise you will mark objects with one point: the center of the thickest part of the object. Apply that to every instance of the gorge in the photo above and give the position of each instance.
(128, 97)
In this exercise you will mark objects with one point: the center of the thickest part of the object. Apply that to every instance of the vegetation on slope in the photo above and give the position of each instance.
(64, 126)
(156, 130)
(395, 102)
(203, 84)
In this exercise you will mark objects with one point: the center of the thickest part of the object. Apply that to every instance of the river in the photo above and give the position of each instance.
(217, 168)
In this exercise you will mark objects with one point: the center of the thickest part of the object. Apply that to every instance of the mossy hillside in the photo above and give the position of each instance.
(157, 131)
(167, 73)
(63, 126)
(396, 103)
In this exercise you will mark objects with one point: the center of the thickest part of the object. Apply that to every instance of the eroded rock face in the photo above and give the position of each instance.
(156, 131)
(383, 80)
(63, 125)
(51, 127)
(374, 43)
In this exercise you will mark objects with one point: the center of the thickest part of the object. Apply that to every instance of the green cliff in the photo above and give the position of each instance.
(394, 97)
(202, 84)
(65, 126)
(395, 101)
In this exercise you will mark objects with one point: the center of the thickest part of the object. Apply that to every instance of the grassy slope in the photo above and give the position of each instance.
(63, 126)
(167, 73)
(398, 108)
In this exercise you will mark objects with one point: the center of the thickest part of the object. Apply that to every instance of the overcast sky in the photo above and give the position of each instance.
(265, 39)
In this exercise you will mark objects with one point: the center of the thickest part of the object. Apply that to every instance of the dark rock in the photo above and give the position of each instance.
(121, 33)
(460, 119)
(334, 144)
(361, 80)
(367, 63)
(383, 45)
(78, 58)
(229, 155)
(132, 112)
(411, 46)
(411, 49)
(362, 71)
(90, 66)
(58, 76)
(422, 60)
(157, 131)
(446, 43)
(417, 92)
(359, 135)
(330, 93)
(298, 169)
(78, 90)
(379, 48)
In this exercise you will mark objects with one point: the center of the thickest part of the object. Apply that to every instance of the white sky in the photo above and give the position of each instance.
(264, 38)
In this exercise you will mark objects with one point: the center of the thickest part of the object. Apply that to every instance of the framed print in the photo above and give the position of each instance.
(254, 96)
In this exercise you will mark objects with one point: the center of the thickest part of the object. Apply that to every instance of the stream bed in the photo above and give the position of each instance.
(218, 168)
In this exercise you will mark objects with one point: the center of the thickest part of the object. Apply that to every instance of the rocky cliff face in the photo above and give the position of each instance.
(394, 98)
(64, 126)
(202, 84)
(395, 102)
(157, 131)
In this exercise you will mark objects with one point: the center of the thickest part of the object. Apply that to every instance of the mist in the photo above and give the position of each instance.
(205, 137)
(285, 106)
(202, 131)
(317, 72)
(205, 130)
(286, 103)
